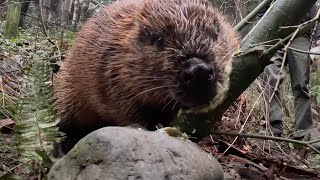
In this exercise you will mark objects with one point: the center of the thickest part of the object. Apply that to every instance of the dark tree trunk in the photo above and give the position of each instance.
(24, 12)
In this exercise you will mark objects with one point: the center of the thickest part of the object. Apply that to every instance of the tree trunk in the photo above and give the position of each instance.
(12, 21)
(245, 66)
(84, 10)
(2, 1)
(76, 13)
(65, 9)
(46, 4)
(24, 12)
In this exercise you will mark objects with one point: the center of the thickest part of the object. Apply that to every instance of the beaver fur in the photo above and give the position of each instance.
(125, 64)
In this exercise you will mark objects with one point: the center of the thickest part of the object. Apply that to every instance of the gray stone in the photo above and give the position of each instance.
(120, 153)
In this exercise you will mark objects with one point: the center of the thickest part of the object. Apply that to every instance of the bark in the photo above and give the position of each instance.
(245, 66)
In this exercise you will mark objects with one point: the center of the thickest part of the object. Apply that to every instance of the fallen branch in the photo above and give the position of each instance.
(257, 136)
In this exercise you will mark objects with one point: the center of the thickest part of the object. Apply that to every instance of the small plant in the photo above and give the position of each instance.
(36, 121)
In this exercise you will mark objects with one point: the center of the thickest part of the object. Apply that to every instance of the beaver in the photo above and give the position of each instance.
(139, 62)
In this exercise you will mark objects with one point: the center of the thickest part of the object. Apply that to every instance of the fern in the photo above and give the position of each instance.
(36, 120)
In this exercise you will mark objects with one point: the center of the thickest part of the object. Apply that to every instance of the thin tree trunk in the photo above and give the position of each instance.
(65, 7)
(76, 13)
(84, 10)
(245, 66)
(12, 21)
(24, 11)
(46, 9)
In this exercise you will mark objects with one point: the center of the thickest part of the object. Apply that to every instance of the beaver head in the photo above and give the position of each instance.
(152, 53)
(182, 45)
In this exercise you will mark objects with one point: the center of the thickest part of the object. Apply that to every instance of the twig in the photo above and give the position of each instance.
(314, 28)
(242, 126)
(43, 24)
(283, 62)
(251, 15)
(286, 52)
(15, 167)
(291, 48)
(302, 51)
(239, 112)
(304, 27)
(257, 136)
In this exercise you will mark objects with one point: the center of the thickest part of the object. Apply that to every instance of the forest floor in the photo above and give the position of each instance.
(249, 158)
(246, 158)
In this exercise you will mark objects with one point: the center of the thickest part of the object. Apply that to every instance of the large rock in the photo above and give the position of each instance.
(120, 153)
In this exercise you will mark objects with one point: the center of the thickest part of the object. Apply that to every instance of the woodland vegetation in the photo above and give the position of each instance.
(35, 37)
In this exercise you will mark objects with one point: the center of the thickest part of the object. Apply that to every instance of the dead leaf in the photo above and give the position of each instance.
(6, 123)
(247, 148)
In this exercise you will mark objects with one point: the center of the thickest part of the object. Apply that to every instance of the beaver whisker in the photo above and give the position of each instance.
(148, 90)
(174, 105)
(167, 96)
(167, 103)
(151, 80)
(145, 77)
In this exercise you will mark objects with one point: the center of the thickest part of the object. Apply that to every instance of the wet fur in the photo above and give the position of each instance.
(117, 58)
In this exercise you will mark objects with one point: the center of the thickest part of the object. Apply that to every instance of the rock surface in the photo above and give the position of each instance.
(119, 153)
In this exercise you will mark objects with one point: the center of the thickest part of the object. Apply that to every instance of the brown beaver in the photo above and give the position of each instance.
(138, 62)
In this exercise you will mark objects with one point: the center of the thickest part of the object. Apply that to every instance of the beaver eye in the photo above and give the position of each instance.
(154, 39)
(157, 40)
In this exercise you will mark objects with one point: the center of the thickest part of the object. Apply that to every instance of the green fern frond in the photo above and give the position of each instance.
(36, 120)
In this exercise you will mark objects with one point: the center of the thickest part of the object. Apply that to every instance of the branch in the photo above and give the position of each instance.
(283, 62)
(302, 51)
(293, 36)
(251, 15)
(302, 28)
(257, 136)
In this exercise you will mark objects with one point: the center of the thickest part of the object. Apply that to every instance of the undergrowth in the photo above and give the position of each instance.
(35, 120)
(259, 124)
(26, 65)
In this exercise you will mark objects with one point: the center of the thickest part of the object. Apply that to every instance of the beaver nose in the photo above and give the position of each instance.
(197, 70)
